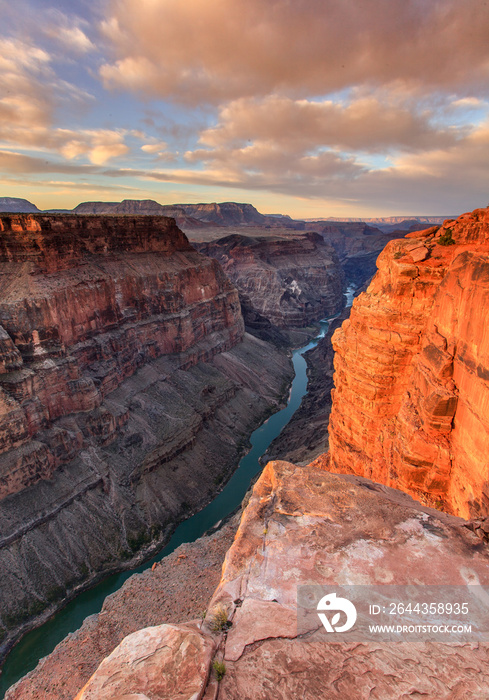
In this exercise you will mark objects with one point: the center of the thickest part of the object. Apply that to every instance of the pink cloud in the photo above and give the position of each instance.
(210, 51)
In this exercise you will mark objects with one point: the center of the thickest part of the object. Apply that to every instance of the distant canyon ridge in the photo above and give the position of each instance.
(223, 214)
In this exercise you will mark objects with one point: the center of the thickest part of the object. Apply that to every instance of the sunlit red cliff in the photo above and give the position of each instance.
(411, 398)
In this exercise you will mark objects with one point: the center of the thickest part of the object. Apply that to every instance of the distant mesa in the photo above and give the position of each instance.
(214, 214)
(17, 206)
(389, 224)
(127, 206)
(224, 214)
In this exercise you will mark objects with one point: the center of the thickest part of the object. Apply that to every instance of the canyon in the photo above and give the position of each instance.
(305, 437)
(128, 390)
(409, 406)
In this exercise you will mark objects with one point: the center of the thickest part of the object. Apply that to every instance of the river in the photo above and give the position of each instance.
(41, 641)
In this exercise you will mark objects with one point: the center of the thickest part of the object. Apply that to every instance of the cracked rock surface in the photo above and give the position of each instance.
(305, 526)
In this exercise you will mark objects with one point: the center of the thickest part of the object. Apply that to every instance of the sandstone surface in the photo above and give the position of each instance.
(156, 663)
(305, 526)
(127, 393)
(290, 282)
(411, 397)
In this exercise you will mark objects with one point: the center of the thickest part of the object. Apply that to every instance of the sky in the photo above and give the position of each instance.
(311, 108)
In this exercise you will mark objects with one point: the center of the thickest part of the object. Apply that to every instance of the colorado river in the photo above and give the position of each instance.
(41, 641)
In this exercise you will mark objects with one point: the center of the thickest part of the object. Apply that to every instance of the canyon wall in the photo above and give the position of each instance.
(288, 282)
(358, 245)
(127, 392)
(411, 398)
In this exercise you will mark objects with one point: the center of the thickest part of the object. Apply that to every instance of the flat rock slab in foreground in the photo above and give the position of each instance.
(306, 526)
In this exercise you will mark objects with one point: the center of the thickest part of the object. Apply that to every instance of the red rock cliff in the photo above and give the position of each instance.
(84, 302)
(411, 403)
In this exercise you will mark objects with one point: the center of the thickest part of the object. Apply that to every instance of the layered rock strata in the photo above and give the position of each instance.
(284, 282)
(305, 526)
(126, 394)
(411, 397)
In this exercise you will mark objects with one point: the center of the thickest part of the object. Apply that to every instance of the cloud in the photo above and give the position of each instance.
(68, 31)
(198, 52)
(30, 96)
(153, 148)
(99, 145)
(367, 123)
(24, 70)
(13, 162)
(442, 180)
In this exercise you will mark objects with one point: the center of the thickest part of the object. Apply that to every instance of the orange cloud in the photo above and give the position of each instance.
(196, 51)
(367, 123)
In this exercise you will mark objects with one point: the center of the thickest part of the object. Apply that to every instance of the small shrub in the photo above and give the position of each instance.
(219, 669)
(155, 531)
(398, 254)
(138, 541)
(446, 238)
(55, 593)
(219, 619)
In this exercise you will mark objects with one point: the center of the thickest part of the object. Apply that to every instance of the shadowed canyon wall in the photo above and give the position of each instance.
(358, 245)
(286, 282)
(127, 391)
(411, 403)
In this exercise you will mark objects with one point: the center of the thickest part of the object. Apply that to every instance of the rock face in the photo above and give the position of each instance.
(306, 526)
(410, 406)
(358, 246)
(161, 663)
(126, 394)
(286, 282)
